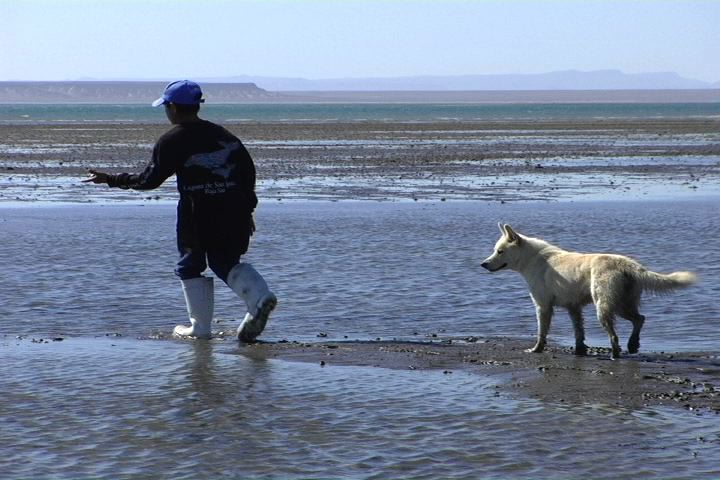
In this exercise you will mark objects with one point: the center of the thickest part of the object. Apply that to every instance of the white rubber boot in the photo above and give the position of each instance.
(200, 299)
(249, 285)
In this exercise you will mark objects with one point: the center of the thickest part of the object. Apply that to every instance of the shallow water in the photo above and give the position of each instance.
(359, 269)
(104, 404)
(141, 409)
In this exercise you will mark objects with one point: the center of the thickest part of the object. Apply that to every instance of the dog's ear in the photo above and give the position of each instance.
(511, 234)
(502, 228)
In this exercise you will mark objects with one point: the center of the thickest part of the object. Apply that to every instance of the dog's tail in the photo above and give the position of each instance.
(665, 282)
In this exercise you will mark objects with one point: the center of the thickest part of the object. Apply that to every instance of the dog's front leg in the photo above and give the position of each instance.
(579, 327)
(544, 316)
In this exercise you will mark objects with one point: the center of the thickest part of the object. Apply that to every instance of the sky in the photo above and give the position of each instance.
(160, 39)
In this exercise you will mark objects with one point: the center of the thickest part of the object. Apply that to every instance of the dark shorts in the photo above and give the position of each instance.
(194, 261)
(211, 239)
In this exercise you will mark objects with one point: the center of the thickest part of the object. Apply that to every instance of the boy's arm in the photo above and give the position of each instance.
(157, 171)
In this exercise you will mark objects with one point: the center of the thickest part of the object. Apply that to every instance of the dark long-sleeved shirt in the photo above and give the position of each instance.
(215, 179)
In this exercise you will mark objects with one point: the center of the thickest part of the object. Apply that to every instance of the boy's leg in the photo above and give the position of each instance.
(199, 298)
(192, 263)
(198, 292)
(249, 285)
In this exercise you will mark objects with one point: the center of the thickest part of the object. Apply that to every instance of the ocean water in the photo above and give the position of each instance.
(332, 112)
(109, 401)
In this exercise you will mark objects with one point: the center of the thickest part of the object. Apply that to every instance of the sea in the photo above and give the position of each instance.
(92, 387)
(349, 112)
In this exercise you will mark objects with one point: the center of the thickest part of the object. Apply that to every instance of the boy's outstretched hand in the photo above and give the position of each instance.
(97, 177)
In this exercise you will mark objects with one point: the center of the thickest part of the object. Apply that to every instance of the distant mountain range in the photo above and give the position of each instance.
(563, 80)
(605, 86)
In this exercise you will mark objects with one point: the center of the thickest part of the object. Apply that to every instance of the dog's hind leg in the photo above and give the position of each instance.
(637, 320)
(605, 291)
(544, 316)
(579, 327)
(607, 320)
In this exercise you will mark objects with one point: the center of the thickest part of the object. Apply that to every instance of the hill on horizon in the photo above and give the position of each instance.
(120, 92)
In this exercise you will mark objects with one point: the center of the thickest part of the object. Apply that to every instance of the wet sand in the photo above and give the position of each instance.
(488, 160)
(689, 380)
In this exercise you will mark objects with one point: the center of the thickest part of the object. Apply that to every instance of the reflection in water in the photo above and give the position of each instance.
(205, 389)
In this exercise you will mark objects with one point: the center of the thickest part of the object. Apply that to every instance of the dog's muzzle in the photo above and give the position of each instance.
(486, 266)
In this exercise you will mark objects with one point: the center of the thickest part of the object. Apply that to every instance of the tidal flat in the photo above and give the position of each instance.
(496, 160)
(392, 353)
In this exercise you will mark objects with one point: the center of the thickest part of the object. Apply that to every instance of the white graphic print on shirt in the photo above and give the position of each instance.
(219, 167)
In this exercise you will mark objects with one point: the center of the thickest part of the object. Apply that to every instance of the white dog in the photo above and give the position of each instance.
(571, 280)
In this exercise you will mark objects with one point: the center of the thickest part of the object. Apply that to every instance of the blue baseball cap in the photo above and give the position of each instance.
(184, 92)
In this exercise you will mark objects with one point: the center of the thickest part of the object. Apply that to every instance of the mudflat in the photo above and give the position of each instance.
(498, 160)
(689, 380)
